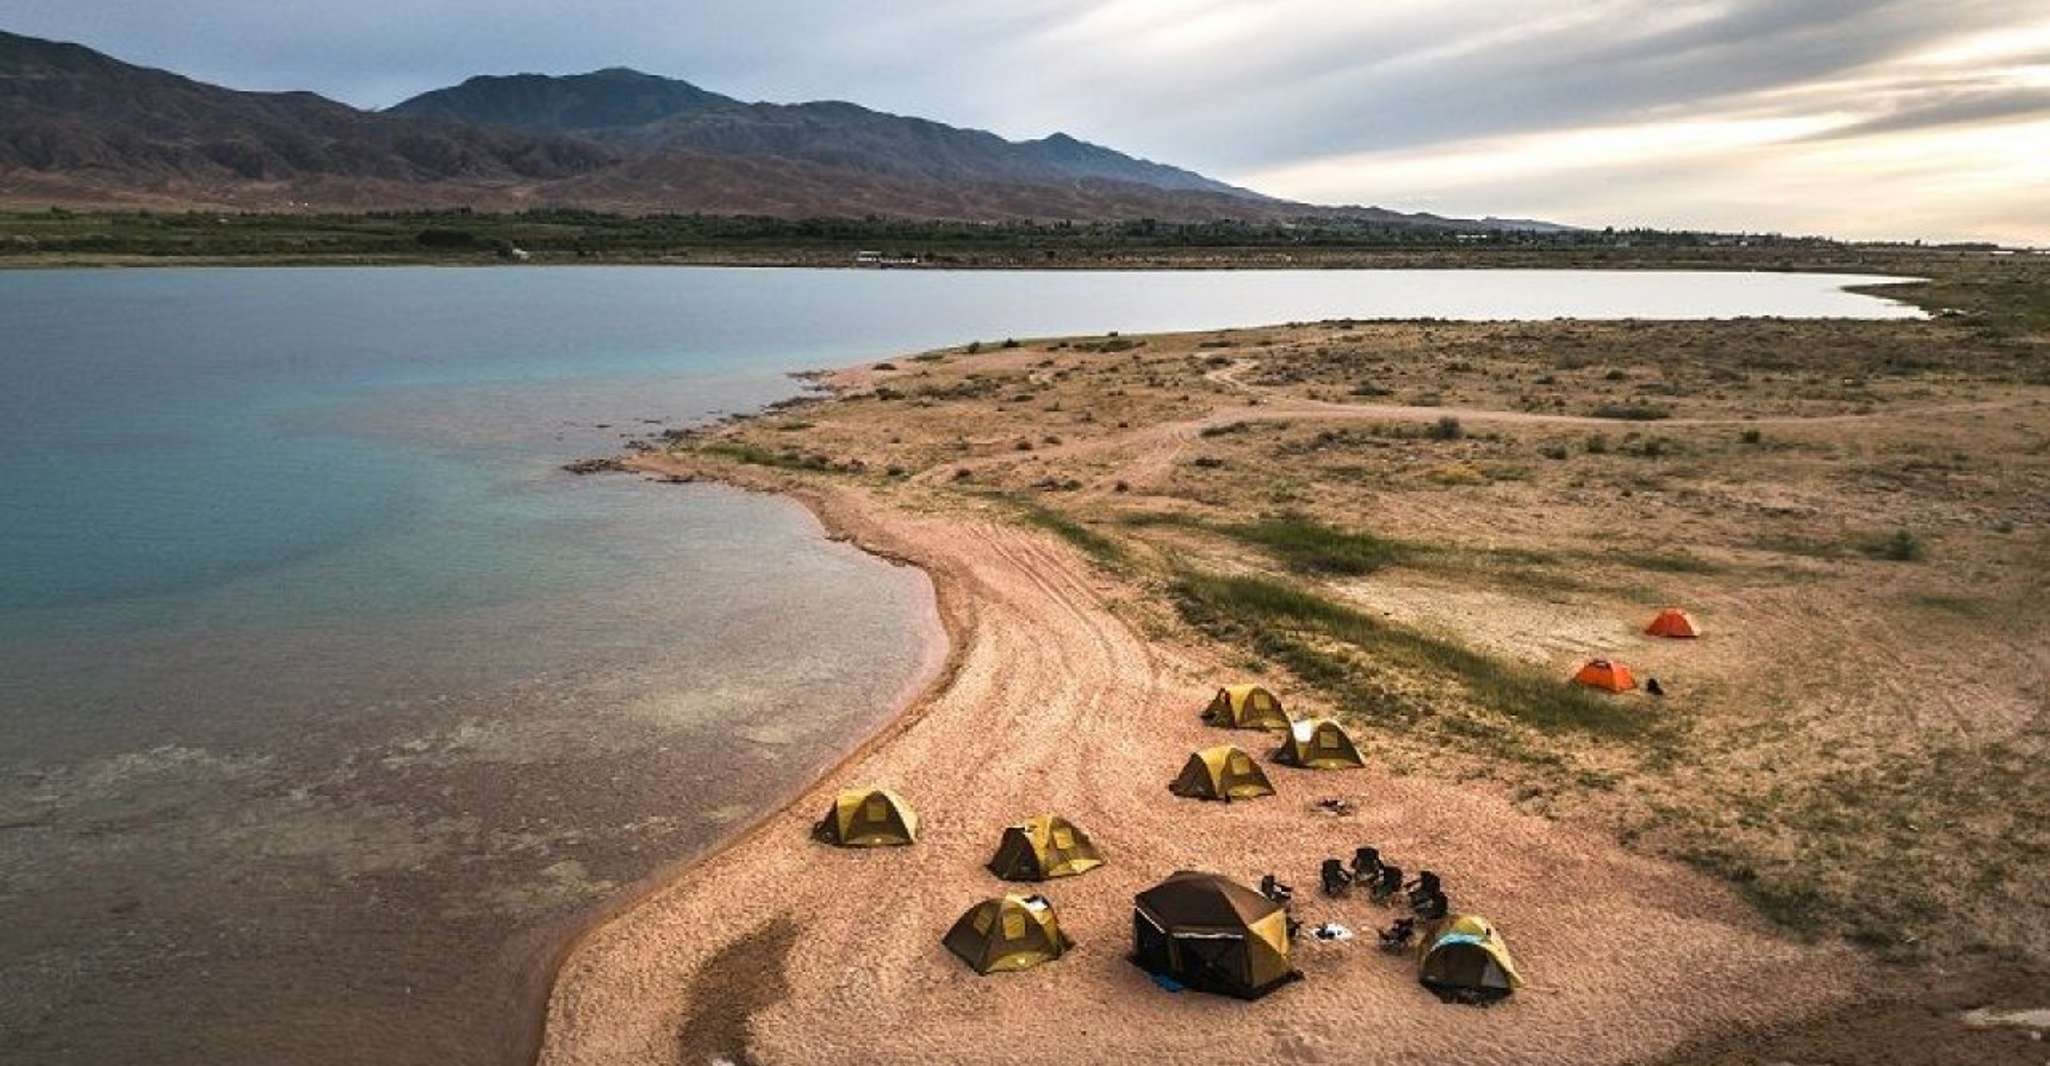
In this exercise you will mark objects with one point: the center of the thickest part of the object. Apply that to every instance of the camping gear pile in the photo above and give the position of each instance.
(1459, 957)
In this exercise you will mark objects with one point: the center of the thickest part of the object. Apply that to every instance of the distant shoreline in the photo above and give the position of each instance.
(1906, 262)
(799, 262)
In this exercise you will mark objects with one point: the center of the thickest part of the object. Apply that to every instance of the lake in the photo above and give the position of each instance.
(330, 702)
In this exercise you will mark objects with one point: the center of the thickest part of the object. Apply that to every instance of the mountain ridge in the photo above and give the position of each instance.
(80, 127)
(636, 112)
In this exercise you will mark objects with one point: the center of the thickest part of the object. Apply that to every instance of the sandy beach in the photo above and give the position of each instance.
(779, 949)
(1709, 879)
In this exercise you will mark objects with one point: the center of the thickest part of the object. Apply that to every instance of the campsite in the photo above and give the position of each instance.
(1194, 930)
(1153, 553)
(1065, 531)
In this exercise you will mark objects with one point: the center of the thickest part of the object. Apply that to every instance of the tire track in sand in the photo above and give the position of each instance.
(1056, 703)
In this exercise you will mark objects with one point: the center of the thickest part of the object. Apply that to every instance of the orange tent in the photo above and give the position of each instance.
(1603, 674)
(1672, 622)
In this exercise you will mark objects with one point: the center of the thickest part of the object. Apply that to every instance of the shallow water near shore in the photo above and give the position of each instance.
(327, 700)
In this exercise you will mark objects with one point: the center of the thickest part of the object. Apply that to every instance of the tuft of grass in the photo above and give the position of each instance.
(1678, 562)
(1631, 412)
(1793, 904)
(1785, 544)
(1308, 546)
(1287, 623)
(741, 452)
(1097, 546)
(1899, 546)
(1963, 606)
(1456, 474)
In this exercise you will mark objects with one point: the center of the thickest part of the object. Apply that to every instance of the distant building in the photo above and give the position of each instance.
(878, 259)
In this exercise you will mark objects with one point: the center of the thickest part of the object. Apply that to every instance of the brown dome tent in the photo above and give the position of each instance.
(1007, 933)
(1672, 622)
(1209, 933)
(1221, 773)
(1043, 847)
(867, 818)
(1245, 707)
(1319, 744)
(1605, 675)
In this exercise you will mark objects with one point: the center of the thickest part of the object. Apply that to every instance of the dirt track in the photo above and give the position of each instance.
(1152, 451)
(779, 950)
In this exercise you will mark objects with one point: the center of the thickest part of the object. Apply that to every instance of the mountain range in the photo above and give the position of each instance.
(80, 127)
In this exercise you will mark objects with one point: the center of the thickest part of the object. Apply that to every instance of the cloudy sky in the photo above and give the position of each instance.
(1855, 118)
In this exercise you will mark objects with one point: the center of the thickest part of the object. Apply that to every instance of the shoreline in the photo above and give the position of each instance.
(942, 640)
(604, 1005)
(642, 984)
(1886, 266)
(577, 1029)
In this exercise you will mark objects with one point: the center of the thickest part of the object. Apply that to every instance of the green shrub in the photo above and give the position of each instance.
(1306, 545)
(1900, 546)
(1631, 412)
(1099, 547)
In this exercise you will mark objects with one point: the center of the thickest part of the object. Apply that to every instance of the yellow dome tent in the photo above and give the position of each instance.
(1007, 933)
(1042, 847)
(1221, 773)
(1319, 744)
(1463, 958)
(1245, 707)
(868, 818)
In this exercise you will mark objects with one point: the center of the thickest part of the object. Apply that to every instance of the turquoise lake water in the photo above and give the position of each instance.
(327, 699)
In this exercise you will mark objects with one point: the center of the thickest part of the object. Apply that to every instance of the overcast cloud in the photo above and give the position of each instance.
(1857, 118)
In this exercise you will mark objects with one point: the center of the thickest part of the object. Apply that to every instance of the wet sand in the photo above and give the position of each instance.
(777, 949)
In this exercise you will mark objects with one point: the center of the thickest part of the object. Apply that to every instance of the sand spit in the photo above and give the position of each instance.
(780, 950)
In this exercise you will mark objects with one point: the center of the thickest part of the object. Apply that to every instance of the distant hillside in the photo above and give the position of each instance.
(642, 114)
(70, 112)
(79, 127)
(601, 100)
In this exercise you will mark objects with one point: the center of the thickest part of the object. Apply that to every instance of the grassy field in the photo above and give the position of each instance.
(1859, 512)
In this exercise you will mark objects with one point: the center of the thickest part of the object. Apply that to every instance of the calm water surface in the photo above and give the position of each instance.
(326, 700)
